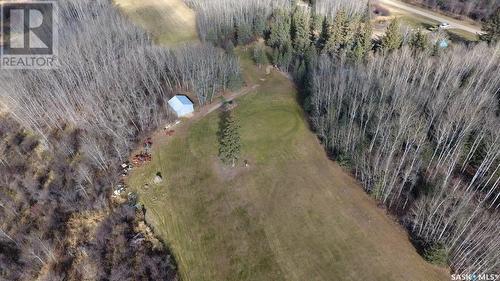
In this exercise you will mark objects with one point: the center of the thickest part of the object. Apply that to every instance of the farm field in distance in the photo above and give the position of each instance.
(293, 214)
(170, 22)
(426, 19)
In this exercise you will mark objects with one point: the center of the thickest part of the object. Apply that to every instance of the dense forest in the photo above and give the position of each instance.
(56, 222)
(416, 124)
(475, 9)
(65, 134)
(431, 153)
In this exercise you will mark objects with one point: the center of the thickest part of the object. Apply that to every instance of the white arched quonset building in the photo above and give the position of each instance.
(181, 105)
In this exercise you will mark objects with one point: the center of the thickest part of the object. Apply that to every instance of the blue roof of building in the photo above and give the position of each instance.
(184, 100)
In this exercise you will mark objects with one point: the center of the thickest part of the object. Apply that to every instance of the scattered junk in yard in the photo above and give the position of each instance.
(119, 190)
(132, 199)
(138, 238)
(158, 178)
(146, 186)
(246, 163)
(138, 206)
(170, 125)
(126, 167)
(141, 158)
(148, 143)
(169, 133)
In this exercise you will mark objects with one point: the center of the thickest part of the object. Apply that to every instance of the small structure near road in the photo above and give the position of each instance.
(181, 105)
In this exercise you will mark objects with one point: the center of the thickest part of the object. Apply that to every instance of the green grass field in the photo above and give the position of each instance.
(170, 21)
(291, 215)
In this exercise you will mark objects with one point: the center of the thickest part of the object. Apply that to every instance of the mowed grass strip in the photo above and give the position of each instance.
(170, 22)
(292, 215)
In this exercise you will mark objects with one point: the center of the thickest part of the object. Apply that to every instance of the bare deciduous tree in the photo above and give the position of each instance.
(422, 135)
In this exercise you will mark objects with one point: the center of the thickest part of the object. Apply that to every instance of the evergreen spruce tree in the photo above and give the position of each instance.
(491, 28)
(419, 41)
(283, 56)
(367, 31)
(325, 34)
(358, 52)
(315, 28)
(311, 61)
(280, 39)
(279, 29)
(300, 30)
(362, 40)
(339, 34)
(244, 33)
(259, 25)
(393, 38)
(259, 55)
(229, 138)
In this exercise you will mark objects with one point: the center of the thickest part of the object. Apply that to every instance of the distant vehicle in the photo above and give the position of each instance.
(444, 25)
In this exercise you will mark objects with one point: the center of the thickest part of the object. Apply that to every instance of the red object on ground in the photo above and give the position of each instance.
(148, 142)
(141, 158)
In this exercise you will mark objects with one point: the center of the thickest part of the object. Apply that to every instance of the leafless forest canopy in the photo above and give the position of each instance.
(119, 89)
(219, 20)
(423, 135)
(330, 8)
(475, 9)
(111, 87)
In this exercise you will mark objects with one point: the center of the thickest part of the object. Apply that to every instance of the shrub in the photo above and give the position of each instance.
(436, 254)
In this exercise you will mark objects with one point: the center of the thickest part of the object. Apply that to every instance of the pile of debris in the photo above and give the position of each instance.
(126, 167)
(148, 143)
(170, 125)
(141, 158)
(119, 189)
(169, 133)
(145, 155)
